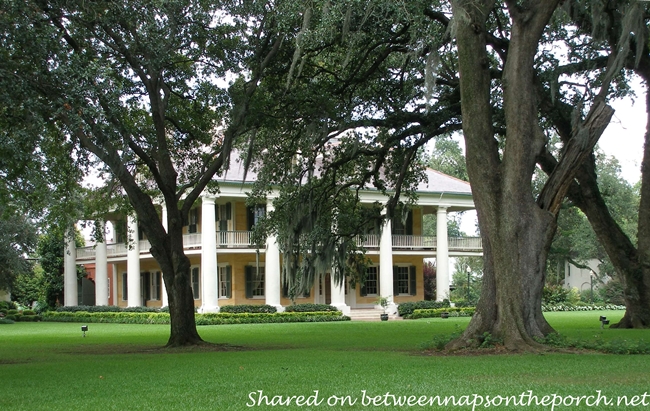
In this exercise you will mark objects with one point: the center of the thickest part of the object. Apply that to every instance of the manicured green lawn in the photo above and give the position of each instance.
(50, 366)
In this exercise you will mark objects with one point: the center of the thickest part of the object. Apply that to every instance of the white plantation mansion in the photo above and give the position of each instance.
(225, 269)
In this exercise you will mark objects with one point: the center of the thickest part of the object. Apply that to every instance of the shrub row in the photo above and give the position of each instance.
(247, 308)
(581, 307)
(435, 312)
(7, 305)
(308, 307)
(201, 319)
(106, 309)
(266, 318)
(406, 309)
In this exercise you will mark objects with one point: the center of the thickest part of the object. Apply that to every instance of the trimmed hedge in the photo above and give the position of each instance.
(308, 307)
(247, 308)
(107, 309)
(266, 318)
(435, 312)
(406, 309)
(581, 307)
(201, 319)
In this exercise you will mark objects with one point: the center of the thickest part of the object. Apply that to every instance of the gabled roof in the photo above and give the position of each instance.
(436, 182)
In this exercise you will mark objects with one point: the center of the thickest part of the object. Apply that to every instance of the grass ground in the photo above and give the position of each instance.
(50, 366)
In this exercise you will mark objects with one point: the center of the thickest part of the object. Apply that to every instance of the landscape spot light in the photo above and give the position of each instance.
(603, 321)
(84, 328)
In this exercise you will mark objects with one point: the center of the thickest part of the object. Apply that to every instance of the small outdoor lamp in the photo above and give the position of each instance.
(603, 321)
(84, 328)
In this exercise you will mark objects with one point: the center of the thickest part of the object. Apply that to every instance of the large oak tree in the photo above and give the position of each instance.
(155, 92)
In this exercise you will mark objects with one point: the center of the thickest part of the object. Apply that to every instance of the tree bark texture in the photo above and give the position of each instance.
(516, 231)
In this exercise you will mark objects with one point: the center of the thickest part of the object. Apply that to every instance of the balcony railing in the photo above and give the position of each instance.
(242, 239)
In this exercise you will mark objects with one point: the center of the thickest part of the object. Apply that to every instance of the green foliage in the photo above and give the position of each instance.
(201, 319)
(7, 305)
(581, 307)
(488, 341)
(429, 272)
(309, 307)
(16, 242)
(556, 294)
(106, 308)
(447, 157)
(459, 279)
(406, 309)
(6, 321)
(436, 312)
(612, 291)
(50, 251)
(247, 308)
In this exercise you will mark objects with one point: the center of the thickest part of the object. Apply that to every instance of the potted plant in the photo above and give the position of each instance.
(383, 302)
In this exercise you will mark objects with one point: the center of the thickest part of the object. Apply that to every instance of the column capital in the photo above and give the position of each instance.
(208, 198)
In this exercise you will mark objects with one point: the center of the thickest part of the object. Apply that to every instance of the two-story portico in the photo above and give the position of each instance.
(227, 269)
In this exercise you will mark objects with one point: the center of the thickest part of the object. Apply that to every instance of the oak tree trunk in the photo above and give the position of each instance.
(516, 231)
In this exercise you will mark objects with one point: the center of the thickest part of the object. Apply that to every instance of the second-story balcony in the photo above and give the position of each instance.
(242, 240)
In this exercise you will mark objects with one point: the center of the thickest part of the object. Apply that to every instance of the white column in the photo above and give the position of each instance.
(101, 269)
(165, 299)
(442, 255)
(209, 275)
(70, 285)
(386, 265)
(133, 264)
(272, 268)
(338, 296)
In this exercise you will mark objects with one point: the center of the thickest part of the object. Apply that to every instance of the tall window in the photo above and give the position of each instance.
(255, 214)
(154, 288)
(254, 282)
(404, 280)
(125, 287)
(196, 282)
(225, 281)
(402, 224)
(371, 287)
(193, 218)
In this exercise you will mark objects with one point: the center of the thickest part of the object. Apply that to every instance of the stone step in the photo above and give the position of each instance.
(369, 314)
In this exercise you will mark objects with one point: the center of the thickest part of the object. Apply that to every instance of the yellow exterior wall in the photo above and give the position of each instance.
(239, 208)
(238, 262)
(416, 261)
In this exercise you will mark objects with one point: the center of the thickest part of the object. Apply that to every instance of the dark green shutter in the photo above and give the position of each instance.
(228, 211)
(249, 281)
(250, 215)
(229, 281)
(216, 212)
(413, 279)
(395, 281)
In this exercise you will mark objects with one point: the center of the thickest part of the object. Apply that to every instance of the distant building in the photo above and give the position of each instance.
(224, 267)
(582, 278)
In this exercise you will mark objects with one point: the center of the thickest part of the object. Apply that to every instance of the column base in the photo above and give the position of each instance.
(278, 307)
(208, 309)
(343, 308)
